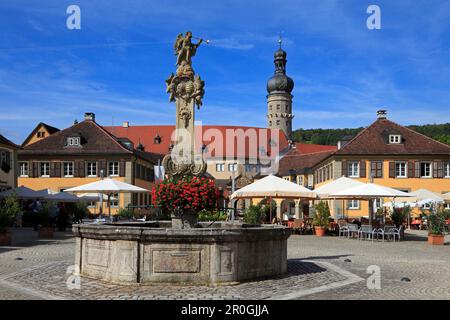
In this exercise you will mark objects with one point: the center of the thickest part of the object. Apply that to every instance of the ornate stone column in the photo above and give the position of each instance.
(186, 89)
(297, 209)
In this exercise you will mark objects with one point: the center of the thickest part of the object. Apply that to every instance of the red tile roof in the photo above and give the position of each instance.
(145, 135)
(373, 140)
(294, 163)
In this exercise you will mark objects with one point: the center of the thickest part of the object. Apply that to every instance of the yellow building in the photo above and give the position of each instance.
(388, 154)
(8, 164)
(84, 153)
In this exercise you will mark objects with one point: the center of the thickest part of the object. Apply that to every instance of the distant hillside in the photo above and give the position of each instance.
(439, 132)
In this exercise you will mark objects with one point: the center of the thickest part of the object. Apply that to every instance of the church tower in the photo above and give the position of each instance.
(279, 99)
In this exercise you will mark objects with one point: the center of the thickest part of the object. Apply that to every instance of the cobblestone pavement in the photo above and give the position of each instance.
(318, 268)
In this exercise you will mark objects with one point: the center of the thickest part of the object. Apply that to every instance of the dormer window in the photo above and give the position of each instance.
(395, 138)
(73, 141)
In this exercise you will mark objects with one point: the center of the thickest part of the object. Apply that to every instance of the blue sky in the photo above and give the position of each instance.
(116, 64)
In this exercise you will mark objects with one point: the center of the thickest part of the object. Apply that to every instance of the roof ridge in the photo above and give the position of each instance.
(357, 135)
(53, 135)
(425, 136)
(110, 135)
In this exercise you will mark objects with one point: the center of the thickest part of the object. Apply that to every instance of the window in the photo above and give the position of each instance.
(248, 167)
(447, 170)
(23, 169)
(45, 169)
(92, 204)
(447, 206)
(310, 180)
(220, 167)
(278, 107)
(270, 123)
(425, 169)
(278, 122)
(68, 169)
(2, 157)
(92, 169)
(395, 138)
(114, 200)
(400, 170)
(257, 167)
(232, 167)
(300, 180)
(73, 141)
(353, 169)
(353, 204)
(113, 168)
(378, 204)
(270, 107)
(40, 134)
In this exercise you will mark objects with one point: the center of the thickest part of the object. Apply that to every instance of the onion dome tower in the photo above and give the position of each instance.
(279, 99)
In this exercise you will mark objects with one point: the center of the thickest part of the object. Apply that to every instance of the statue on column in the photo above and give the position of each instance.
(186, 89)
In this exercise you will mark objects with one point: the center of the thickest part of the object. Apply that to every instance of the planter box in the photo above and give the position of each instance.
(46, 232)
(320, 231)
(436, 239)
(5, 238)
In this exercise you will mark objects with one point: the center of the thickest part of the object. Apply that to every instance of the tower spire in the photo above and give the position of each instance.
(279, 98)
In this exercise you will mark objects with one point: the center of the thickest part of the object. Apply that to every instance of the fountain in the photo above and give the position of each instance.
(167, 251)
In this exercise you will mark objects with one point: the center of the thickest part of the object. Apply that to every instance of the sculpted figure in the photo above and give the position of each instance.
(184, 48)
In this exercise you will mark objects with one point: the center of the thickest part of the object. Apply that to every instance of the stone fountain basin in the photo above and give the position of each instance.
(214, 253)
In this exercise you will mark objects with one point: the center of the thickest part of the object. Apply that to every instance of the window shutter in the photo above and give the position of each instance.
(344, 168)
(373, 169)
(102, 167)
(76, 172)
(438, 169)
(81, 169)
(362, 169)
(52, 169)
(411, 169)
(379, 169)
(417, 167)
(8, 159)
(33, 169)
(57, 170)
(391, 169)
(122, 168)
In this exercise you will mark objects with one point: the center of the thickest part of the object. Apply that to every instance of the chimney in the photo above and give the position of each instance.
(381, 114)
(90, 116)
(126, 124)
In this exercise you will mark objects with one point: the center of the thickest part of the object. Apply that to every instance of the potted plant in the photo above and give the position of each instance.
(46, 226)
(9, 209)
(125, 214)
(254, 215)
(321, 218)
(436, 226)
(184, 198)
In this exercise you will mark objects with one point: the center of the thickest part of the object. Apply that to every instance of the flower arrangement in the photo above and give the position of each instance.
(192, 193)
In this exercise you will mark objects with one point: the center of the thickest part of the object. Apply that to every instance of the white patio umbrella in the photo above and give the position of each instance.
(64, 197)
(273, 187)
(337, 185)
(425, 194)
(22, 193)
(92, 196)
(109, 187)
(369, 191)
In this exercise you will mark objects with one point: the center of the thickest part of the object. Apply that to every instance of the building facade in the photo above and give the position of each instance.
(387, 154)
(8, 164)
(84, 153)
